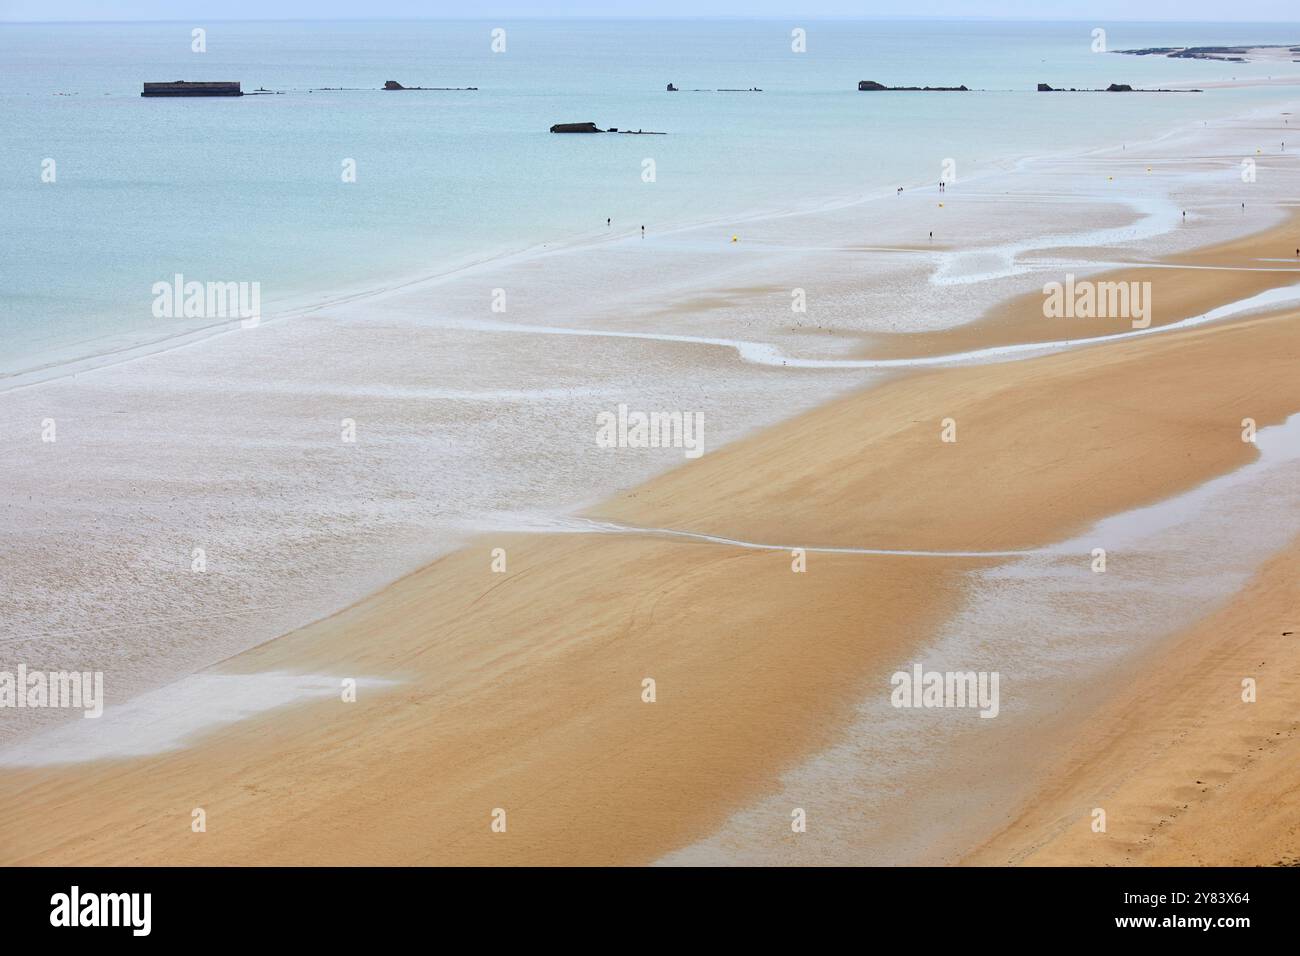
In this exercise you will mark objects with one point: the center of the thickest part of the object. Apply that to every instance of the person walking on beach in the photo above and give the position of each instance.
(643, 232)
(608, 221)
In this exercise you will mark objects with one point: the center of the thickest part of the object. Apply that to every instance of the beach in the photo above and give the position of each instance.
(499, 697)
(550, 724)
(368, 587)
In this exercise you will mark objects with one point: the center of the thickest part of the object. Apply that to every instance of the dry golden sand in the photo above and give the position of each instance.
(522, 690)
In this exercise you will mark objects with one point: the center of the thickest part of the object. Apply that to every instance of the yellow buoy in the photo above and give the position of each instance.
(735, 238)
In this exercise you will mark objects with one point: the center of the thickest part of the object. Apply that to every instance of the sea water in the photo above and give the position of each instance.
(253, 189)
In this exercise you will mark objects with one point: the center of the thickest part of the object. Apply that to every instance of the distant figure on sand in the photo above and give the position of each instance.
(608, 221)
(931, 233)
(643, 232)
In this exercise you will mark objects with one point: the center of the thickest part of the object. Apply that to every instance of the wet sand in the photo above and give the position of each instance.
(523, 690)
(1186, 770)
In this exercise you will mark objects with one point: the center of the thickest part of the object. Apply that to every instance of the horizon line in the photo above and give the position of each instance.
(665, 19)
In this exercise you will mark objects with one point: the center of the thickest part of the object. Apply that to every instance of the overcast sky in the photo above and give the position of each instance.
(1088, 10)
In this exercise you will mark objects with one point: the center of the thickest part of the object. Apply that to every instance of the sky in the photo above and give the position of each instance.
(1088, 10)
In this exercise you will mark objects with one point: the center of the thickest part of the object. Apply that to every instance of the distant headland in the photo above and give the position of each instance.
(233, 88)
(1228, 54)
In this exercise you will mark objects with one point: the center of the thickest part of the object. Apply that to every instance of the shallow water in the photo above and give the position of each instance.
(251, 189)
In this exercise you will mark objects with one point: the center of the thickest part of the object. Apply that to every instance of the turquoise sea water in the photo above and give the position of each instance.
(251, 189)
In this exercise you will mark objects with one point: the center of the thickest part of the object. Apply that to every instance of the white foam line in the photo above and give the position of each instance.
(1155, 217)
(762, 353)
(589, 526)
(1138, 264)
(1095, 265)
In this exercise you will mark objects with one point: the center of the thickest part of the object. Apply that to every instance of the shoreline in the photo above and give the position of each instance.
(309, 302)
(502, 702)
